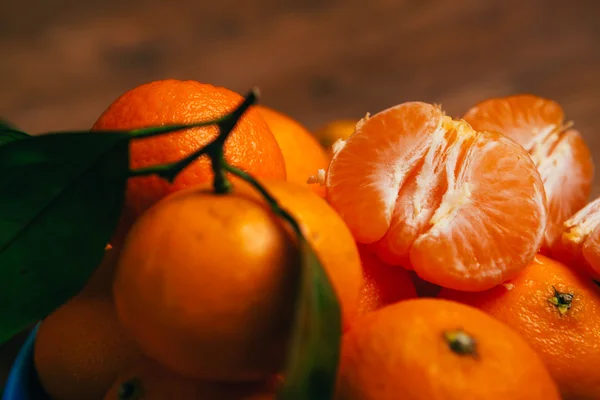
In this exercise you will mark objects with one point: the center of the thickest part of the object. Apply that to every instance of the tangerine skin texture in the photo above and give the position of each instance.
(251, 145)
(81, 347)
(400, 352)
(568, 344)
(207, 283)
(302, 152)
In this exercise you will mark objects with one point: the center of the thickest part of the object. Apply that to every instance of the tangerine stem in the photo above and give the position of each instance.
(214, 149)
(273, 203)
(221, 184)
(227, 124)
(161, 130)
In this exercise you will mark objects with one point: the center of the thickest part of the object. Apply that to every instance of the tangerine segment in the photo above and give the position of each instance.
(365, 175)
(464, 209)
(567, 174)
(579, 244)
(530, 120)
(491, 227)
(560, 154)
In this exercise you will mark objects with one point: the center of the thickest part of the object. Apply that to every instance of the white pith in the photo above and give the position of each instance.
(583, 222)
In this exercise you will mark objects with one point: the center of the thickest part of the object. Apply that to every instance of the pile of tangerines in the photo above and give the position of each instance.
(463, 253)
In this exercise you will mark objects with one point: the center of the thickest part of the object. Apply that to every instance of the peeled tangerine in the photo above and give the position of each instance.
(463, 209)
(559, 152)
(579, 244)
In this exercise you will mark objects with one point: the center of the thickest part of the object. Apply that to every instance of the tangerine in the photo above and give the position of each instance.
(302, 153)
(437, 349)
(251, 145)
(433, 195)
(81, 347)
(206, 283)
(333, 131)
(558, 312)
(560, 153)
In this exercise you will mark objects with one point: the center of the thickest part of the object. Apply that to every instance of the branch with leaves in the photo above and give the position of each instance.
(62, 195)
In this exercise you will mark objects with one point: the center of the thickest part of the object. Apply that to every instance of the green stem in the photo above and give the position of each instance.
(157, 131)
(273, 203)
(214, 149)
(220, 182)
(227, 124)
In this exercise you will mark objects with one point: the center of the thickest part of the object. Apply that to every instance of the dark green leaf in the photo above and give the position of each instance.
(7, 136)
(61, 197)
(8, 133)
(4, 124)
(314, 353)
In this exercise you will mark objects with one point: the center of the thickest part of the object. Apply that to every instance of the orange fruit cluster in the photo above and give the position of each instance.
(490, 211)
(461, 251)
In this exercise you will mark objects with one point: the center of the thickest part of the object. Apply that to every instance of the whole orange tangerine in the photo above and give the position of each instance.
(251, 146)
(302, 153)
(437, 349)
(207, 283)
(558, 312)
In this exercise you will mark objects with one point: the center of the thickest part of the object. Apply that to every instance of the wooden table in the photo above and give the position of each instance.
(64, 61)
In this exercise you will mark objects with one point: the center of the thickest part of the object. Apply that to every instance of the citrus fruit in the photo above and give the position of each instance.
(558, 312)
(383, 284)
(333, 131)
(150, 381)
(81, 347)
(302, 153)
(560, 153)
(463, 209)
(251, 146)
(437, 349)
(206, 283)
(579, 244)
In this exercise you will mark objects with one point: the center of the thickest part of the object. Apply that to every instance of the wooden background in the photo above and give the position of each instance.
(62, 62)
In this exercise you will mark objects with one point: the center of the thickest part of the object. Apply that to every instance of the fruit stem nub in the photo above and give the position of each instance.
(130, 390)
(562, 301)
(461, 343)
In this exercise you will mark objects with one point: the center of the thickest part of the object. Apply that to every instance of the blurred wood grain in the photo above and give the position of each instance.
(63, 62)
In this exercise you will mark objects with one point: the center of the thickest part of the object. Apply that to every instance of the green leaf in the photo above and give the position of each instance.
(61, 198)
(4, 124)
(7, 136)
(313, 358)
(8, 133)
